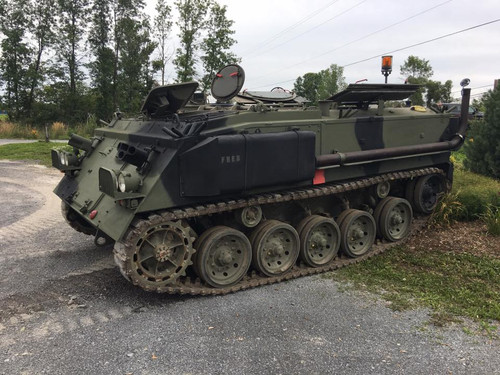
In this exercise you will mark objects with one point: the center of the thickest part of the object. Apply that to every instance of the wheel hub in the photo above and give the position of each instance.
(275, 248)
(396, 219)
(224, 256)
(357, 234)
(163, 253)
(318, 241)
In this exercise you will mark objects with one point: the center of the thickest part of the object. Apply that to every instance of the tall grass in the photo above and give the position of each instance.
(492, 219)
(57, 130)
(11, 130)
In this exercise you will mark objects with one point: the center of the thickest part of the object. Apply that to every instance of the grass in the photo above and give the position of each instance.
(475, 193)
(452, 285)
(57, 130)
(38, 151)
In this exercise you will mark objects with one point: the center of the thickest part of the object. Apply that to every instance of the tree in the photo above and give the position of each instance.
(132, 48)
(331, 81)
(41, 26)
(307, 86)
(417, 71)
(191, 22)
(102, 67)
(16, 55)
(438, 92)
(162, 28)
(321, 85)
(72, 28)
(482, 150)
(217, 44)
(135, 78)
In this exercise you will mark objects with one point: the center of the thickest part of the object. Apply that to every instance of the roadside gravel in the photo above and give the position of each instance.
(65, 308)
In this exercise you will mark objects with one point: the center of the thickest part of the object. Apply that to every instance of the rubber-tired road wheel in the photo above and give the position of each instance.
(358, 232)
(394, 222)
(319, 240)
(223, 256)
(275, 247)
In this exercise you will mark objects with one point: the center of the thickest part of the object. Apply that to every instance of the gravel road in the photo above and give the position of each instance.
(65, 309)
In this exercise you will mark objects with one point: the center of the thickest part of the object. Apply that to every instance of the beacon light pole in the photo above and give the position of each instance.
(386, 66)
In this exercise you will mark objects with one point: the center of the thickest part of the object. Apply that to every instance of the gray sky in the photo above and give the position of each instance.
(279, 40)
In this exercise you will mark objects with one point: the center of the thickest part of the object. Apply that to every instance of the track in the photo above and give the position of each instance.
(193, 286)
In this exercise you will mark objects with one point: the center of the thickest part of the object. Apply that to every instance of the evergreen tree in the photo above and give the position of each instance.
(217, 44)
(483, 148)
(191, 21)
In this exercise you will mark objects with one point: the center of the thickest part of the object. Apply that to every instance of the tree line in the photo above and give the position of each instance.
(64, 60)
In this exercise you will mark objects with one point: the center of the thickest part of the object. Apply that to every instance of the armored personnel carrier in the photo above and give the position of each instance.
(256, 188)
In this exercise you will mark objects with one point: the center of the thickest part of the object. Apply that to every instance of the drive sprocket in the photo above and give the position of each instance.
(155, 252)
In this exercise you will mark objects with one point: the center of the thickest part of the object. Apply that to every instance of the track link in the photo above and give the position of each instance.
(193, 286)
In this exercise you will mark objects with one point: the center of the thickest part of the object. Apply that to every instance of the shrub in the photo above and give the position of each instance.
(482, 148)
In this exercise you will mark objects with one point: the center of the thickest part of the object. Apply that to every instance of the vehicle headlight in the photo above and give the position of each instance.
(128, 182)
(122, 185)
(63, 159)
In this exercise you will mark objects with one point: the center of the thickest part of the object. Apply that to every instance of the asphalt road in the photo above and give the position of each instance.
(65, 309)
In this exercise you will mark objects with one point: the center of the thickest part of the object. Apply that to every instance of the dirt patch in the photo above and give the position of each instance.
(461, 237)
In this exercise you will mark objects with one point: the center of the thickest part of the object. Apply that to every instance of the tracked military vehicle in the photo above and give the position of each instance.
(256, 188)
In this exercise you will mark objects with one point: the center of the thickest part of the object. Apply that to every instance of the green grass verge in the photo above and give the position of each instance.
(37, 151)
(450, 284)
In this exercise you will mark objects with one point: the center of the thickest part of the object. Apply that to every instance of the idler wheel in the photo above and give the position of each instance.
(394, 222)
(357, 231)
(319, 240)
(223, 256)
(428, 190)
(275, 247)
(157, 252)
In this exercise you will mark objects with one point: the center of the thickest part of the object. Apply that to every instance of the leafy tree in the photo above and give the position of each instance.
(41, 26)
(307, 86)
(321, 85)
(162, 28)
(135, 78)
(217, 44)
(438, 92)
(331, 81)
(417, 71)
(191, 22)
(417, 68)
(132, 77)
(16, 55)
(102, 67)
(72, 16)
(483, 149)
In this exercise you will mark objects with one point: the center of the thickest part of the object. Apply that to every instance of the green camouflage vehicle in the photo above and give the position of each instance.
(256, 188)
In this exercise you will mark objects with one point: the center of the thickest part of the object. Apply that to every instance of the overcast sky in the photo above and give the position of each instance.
(279, 40)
